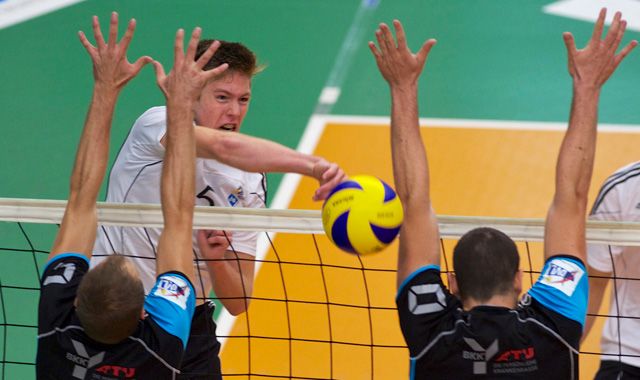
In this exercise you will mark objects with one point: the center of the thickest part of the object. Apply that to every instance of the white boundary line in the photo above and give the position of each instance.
(15, 11)
(314, 130)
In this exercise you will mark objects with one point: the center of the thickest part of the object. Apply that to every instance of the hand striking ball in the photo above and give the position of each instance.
(362, 215)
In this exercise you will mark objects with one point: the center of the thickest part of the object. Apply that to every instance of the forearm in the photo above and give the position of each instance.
(252, 154)
(178, 175)
(232, 285)
(177, 189)
(575, 161)
(410, 168)
(93, 149)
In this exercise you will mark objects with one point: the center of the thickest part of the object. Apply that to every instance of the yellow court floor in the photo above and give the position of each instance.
(320, 313)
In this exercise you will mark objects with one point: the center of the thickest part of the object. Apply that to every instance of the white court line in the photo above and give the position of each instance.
(16, 11)
(588, 10)
(314, 130)
(384, 121)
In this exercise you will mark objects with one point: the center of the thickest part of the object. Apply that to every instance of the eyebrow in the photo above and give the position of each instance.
(248, 93)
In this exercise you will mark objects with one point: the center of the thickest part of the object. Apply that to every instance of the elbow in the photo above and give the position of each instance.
(238, 307)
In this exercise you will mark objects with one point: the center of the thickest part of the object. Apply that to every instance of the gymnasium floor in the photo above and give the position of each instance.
(496, 81)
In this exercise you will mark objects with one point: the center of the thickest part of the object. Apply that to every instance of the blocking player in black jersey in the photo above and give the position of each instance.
(98, 324)
(477, 328)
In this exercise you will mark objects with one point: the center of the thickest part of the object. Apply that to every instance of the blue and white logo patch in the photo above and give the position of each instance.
(563, 275)
(174, 289)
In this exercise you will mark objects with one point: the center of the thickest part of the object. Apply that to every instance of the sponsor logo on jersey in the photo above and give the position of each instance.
(174, 289)
(117, 371)
(563, 275)
(479, 355)
(82, 359)
(236, 196)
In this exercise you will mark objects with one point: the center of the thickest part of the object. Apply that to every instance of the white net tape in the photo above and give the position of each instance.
(294, 221)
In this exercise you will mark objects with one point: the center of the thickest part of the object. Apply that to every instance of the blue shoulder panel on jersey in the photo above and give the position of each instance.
(171, 304)
(64, 256)
(563, 287)
(414, 274)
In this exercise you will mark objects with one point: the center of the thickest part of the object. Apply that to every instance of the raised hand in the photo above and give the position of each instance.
(111, 67)
(213, 243)
(594, 64)
(329, 175)
(397, 64)
(187, 77)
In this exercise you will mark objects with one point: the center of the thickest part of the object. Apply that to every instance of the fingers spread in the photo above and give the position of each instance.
(193, 44)
(113, 30)
(97, 33)
(425, 49)
(402, 38)
(597, 31)
(178, 48)
(206, 56)
(128, 35)
(87, 45)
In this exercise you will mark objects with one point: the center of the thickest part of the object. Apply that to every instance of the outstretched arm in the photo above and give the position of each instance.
(181, 88)
(111, 71)
(419, 238)
(254, 154)
(590, 69)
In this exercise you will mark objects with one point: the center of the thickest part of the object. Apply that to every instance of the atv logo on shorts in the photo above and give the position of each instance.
(82, 360)
(480, 355)
(174, 289)
(563, 275)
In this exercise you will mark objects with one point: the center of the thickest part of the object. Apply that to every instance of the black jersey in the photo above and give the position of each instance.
(537, 340)
(153, 351)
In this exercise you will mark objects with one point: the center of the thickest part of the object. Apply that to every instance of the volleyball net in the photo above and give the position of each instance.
(315, 312)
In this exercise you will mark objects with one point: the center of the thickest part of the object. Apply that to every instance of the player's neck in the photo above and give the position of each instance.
(499, 300)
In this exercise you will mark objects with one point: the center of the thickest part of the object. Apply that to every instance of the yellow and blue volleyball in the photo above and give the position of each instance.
(362, 215)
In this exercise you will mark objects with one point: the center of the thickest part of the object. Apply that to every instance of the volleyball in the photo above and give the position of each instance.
(362, 215)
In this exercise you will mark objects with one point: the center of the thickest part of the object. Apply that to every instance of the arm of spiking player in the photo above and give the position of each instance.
(254, 154)
(590, 69)
(231, 272)
(181, 88)
(419, 237)
(111, 72)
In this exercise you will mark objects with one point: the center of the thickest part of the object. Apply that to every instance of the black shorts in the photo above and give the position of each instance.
(615, 370)
(201, 359)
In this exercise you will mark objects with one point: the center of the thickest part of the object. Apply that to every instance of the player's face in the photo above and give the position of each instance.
(224, 102)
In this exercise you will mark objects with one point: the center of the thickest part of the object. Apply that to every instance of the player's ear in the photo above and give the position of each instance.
(517, 283)
(453, 284)
(143, 314)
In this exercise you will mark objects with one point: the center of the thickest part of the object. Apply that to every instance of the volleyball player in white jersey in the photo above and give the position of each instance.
(619, 201)
(135, 178)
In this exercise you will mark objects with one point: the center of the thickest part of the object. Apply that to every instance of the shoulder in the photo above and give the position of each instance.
(619, 187)
(563, 287)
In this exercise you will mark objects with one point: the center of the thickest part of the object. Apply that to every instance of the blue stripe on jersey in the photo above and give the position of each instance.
(64, 256)
(563, 287)
(414, 274)
(412, 369)
(171, 304)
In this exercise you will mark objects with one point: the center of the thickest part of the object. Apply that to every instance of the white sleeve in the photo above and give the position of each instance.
(609, 208)
(146, 134)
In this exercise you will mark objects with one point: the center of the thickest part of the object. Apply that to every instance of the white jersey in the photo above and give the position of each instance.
(619, 200)
(135, 178)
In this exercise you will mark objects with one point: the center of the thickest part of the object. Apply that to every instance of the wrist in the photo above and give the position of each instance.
(105, 92)
(583, 89)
